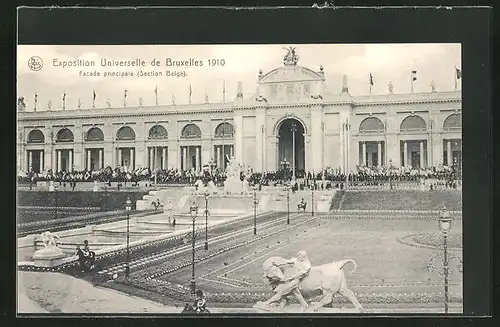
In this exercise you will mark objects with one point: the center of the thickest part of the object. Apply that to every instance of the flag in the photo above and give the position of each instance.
(413, 78)
(94, 95)
(371, 82)
(458, 75)
(64, 100)
(125, 94)
(93, 99)
(125, 98)
(190, 92)
(36, 99)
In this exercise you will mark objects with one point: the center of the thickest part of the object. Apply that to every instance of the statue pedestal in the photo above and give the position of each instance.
(323, 204)
(51, 186)
(48, 257)
(296, 308)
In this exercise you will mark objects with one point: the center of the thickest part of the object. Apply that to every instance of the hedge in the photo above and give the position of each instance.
(107, 201)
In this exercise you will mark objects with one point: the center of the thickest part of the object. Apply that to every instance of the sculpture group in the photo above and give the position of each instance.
(298, 278)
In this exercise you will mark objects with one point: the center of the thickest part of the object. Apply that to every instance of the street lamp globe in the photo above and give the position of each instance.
(444, 222)
(128, 204)
(193, 210)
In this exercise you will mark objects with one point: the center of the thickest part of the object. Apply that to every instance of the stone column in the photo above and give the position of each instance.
(316, 134)
(363, 153)
(164, 158)
(100, 163)
(422, 154)
(151, 159)
(42, 154)
(379, 154)
(217, 157)
(88, 159)
(238, 138)
(70, 160)
(184, 158)
(405, 153)
(132, 159)
(231, 151)
(58, 160)
(119, 157)
(198, 166)
(448, 153)
(30, 160)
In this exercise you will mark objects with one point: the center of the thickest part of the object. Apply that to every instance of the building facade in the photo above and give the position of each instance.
(292, 117)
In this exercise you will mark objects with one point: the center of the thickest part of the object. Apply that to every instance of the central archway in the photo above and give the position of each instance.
(285, 149)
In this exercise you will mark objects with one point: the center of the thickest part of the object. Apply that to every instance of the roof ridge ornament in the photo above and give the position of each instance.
(291, 58)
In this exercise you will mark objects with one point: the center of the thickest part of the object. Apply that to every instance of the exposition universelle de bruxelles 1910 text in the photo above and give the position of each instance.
(137, 67)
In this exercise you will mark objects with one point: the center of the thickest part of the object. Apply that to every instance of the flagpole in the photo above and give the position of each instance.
(156, 95)
(411, 81)
(456, 79)
(64, 100)
(190, 91)
(125, 99)
(224, 91)
(370, 82)
(93, 100)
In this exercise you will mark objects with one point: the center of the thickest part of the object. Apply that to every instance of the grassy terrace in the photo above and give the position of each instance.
(397, 200)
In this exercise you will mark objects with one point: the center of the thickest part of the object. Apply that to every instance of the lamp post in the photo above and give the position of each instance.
(193, 210)
(445, 227)
(55, 200)
(287, 187)
(312, 195)
(284, 164)
(255, 202)
(293, 129)
(347, 127)
(206, 219)
(212, 166)
(128, 207)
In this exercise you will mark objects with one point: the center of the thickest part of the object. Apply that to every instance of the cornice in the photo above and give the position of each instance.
(225, 108)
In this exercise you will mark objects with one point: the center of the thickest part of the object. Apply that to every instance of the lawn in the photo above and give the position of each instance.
(373, 244)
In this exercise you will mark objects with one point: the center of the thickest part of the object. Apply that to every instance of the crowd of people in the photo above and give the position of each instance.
(334, 177)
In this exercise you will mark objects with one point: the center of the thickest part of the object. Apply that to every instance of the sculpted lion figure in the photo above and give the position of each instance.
(298, 278)
(49, 240)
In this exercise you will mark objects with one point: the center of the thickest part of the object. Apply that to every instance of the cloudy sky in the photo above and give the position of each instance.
(242, 63)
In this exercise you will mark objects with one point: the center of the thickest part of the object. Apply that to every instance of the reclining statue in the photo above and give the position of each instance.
(292, 277)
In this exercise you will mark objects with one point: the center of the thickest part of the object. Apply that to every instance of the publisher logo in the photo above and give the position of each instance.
(35, 63)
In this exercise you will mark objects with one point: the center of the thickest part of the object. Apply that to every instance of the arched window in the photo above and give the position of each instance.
(36, 136)
(65, 135)
(371, 125)
(224, 130)
(125, 134)
(412, 124)
(94, 134)
(158, 132)
(453, 122)
(191, 131)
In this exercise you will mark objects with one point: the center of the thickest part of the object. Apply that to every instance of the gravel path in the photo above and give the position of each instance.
(59, 293)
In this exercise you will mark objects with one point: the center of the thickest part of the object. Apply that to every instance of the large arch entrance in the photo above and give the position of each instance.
(286, 131)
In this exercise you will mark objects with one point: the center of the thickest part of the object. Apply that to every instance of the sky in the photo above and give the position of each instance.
(386, 62)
